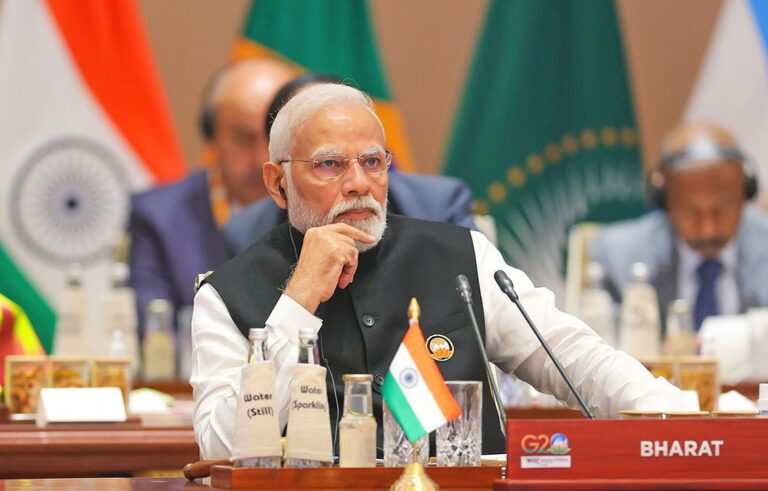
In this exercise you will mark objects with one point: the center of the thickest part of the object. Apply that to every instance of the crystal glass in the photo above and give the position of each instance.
(397, 449)
(459, 442)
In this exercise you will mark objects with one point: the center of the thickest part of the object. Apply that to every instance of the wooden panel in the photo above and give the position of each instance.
(638, 484)
(92, 450)
(338, 478)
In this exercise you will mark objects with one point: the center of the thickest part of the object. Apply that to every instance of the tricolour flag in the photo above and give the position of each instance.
(732, 86)
(414, 388)
(83, 124)
(546, 136)
(330, 37)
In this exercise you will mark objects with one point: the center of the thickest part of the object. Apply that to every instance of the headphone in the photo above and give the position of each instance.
(698, 150)
(282, 193)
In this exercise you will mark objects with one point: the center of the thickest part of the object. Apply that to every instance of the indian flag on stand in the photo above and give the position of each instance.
(414, 388)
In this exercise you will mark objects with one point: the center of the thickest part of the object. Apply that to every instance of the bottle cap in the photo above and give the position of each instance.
(308, 334)
(639, 272)
(594, 274)
(119, 274)
(357, 377)
(74, 274)
(257, 334)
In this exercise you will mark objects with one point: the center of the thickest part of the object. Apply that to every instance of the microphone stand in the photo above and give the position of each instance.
(465, 292)
(506, 286)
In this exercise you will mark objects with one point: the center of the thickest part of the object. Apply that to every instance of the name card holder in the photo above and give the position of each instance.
(636, 454)
(80, 405)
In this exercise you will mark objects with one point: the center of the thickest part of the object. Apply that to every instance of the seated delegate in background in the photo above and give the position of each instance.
(704, 244)
(176, 229)
(347, 269)
(436, 198)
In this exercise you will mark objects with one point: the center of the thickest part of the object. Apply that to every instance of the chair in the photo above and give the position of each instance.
(578, 258)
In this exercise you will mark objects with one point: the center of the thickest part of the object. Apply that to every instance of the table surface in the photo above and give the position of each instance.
(79, 450)
(126, 484)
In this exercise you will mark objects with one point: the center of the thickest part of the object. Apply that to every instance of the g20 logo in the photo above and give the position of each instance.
(557, 444)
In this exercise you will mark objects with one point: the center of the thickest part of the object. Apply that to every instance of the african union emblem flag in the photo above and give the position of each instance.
(546, 137)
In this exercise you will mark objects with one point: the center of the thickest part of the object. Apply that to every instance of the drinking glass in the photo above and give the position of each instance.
(459, 442)
(397, 449)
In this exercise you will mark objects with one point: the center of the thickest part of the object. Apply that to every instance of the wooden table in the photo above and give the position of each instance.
(104, 484)
(109, 449)
(126, 484)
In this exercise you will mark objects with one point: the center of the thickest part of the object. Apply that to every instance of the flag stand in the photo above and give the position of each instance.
(414, 476)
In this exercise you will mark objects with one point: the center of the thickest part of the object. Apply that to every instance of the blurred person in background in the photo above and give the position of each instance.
(704, 243)
(176, 229)
(427, 197)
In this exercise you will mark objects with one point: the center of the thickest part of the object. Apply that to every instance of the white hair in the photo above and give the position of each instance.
(305, 104)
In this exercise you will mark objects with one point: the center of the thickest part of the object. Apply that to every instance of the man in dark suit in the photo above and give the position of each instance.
(704, 244)
(176, 229)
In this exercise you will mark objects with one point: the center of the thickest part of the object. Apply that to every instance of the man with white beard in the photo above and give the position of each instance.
(348, 270)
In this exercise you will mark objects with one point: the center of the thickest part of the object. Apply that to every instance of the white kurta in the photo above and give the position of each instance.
(607, 379)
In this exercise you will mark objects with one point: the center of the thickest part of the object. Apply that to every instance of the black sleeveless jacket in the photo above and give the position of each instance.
(364, 323)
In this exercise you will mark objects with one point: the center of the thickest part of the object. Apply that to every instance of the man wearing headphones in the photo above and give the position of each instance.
(176, 229)
(703, 244)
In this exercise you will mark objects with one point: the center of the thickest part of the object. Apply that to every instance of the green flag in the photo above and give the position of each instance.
(15, 285)
(546, 136)
(333, 37)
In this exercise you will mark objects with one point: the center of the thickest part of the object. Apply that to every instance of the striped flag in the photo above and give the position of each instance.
(83, 124)
(732, 86)
(330, 37)
(414, 388)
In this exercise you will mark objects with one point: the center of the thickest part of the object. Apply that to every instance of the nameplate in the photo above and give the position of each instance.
(704, 448)
(80, 405)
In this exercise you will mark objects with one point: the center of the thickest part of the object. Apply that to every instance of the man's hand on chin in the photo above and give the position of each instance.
(328, 259)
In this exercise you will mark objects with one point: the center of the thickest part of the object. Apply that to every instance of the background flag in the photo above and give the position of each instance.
(17, 336)
(414, 388)
(331, 37)
(546, 135)
(732, 87)
(84, 123)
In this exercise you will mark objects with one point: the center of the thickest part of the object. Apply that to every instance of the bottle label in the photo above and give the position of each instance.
(309, 424)
(258, 427)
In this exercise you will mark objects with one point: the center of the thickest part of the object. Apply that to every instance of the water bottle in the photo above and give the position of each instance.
(258, 353)
(639, 327)
(159, 348)
(120, 317)
(71, 337)
(308, 353)
(357, 443)
(596, 308)
(680, 338)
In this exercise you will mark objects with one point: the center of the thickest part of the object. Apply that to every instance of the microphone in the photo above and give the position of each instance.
(465, 292)
(506, 286)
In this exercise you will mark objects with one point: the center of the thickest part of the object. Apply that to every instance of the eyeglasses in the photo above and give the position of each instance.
(335, 166)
